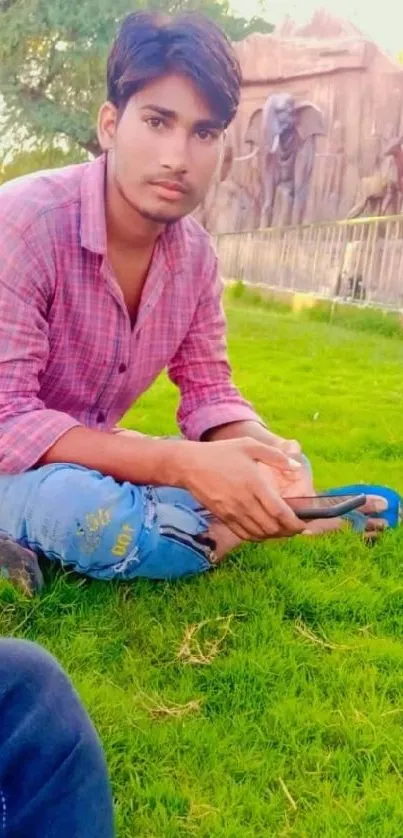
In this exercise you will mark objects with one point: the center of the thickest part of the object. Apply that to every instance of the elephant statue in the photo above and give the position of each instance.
(285, 131)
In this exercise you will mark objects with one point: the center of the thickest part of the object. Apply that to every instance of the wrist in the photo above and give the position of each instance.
(176, 462)
(236, 430)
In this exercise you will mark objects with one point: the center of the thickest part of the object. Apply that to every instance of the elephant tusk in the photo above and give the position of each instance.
(246, 156)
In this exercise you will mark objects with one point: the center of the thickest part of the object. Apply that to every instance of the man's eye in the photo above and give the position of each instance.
(155, 122)
(205, 134)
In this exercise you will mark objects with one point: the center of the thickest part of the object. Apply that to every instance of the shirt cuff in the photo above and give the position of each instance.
(25, 438)
(213, 416)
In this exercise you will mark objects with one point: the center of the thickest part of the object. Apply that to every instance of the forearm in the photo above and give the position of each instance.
(139, 459)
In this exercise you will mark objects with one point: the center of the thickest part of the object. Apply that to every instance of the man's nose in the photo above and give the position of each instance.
(175, 152)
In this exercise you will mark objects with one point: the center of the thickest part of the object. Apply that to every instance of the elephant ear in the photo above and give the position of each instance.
(310, 120)
(253, 131)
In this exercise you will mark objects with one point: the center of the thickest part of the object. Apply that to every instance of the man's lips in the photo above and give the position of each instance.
(171, 186)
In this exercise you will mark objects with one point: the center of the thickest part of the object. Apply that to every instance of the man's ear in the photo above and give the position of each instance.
(106, 126)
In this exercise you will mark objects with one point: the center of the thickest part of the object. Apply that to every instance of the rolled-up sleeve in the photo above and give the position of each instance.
(201, 368)
(27, 428)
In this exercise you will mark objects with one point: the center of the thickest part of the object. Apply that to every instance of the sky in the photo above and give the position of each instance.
(383, 23)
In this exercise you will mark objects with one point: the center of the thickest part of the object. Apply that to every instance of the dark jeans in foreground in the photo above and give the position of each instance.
(53, 776)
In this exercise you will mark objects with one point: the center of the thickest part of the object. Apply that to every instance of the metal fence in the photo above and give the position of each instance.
(360, 260)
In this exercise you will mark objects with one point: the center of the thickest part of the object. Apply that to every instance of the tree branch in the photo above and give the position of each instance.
(5, 5)
(63, 118)
(53, 70)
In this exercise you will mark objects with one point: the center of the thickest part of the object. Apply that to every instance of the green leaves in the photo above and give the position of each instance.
(53, 58)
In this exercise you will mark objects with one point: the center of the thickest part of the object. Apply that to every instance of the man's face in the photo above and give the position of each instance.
(164, 148)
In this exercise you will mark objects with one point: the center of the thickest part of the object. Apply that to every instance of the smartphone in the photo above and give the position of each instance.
(325, 506)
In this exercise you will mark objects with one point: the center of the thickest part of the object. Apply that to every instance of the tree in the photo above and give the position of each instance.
(53, 55)
(24, 160)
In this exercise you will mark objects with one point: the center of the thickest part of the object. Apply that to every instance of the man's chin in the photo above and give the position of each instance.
(165, 212)
(163, 216)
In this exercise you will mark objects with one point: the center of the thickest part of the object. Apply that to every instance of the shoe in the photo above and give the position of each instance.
(20, 566)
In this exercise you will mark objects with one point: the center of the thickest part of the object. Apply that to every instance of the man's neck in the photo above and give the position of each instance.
(125, 227)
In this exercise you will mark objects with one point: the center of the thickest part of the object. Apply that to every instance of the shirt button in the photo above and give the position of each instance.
(101, 417)
(122, 368)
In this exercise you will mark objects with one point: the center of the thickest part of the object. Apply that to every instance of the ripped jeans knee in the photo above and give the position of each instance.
(174, 541)
(104, 529)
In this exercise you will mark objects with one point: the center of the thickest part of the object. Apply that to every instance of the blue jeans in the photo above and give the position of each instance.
(104, 529)
(53, 776)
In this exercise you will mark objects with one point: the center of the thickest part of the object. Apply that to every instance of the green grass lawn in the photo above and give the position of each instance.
(265, 699)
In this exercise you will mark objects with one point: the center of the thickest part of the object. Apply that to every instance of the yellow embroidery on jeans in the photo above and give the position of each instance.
(95, 521)
(123, 541)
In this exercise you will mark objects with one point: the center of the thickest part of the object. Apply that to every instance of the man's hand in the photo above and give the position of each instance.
(226, 478)
(253, 430)
(301, 486)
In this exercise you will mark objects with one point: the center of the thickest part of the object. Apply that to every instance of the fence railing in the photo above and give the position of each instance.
(360, 259)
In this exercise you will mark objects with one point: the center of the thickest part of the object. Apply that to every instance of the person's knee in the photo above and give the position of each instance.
(36, 695)
(66, 493)
(108, 530)
(27, 667)
(49, 749)
(75, 514)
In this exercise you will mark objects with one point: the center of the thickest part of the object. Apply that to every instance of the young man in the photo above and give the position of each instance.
(105, 280)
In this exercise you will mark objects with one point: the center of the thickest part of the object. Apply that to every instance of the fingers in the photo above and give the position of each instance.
(255, 519)
(267, 517)
(288, 484)
(257, 512)
(247, 530)
(277, 510)
(291, 447)
(236, 527)
(271, 456)
(243, 514)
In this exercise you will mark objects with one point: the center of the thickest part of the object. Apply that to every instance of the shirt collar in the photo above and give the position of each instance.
(93, 221)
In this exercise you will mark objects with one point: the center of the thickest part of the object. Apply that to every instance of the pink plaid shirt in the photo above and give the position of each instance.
(68, 353)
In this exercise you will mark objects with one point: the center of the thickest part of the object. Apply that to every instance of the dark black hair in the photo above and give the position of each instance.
(149, 45)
